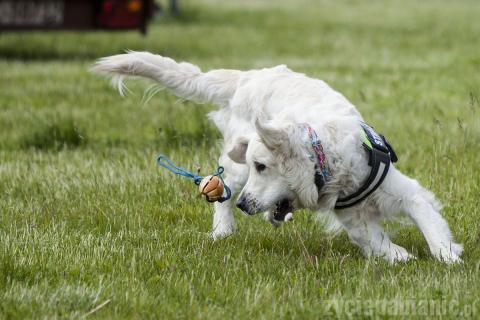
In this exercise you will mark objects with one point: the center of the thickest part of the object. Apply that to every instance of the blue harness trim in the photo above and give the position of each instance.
(165, 162)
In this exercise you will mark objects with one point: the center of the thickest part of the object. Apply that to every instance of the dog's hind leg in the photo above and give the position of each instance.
(365, 231)
(401, 193)
(235, 177)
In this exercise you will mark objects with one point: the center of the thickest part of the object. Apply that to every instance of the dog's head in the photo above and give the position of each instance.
(281, 175)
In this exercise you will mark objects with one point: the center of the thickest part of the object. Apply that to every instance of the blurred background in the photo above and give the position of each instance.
(86, 217)
(388, 57)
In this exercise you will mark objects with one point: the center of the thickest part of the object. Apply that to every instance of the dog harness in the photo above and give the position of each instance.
(380, 154)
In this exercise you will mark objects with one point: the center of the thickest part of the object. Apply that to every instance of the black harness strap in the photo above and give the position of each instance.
(380, 155)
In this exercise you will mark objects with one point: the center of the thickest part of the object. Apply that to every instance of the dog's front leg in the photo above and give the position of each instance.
(235, 178)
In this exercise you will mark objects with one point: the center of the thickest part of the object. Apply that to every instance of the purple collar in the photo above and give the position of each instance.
(317, 147)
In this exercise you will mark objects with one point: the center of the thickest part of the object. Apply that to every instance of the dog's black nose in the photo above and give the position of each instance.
(242, 204)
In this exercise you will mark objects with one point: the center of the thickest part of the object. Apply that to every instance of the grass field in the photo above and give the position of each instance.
(90, 227)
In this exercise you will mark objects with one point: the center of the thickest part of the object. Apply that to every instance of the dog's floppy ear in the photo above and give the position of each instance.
(237, 154)
(273, 137)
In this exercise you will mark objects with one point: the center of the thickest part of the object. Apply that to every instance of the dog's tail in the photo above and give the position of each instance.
(184, 79)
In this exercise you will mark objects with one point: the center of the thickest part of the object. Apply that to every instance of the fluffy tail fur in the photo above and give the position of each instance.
(184, 79)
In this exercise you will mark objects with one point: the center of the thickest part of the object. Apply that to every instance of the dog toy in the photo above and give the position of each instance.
(212, 187)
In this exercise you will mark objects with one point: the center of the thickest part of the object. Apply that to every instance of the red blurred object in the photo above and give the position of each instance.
(107, 6)
(75, 14)
(121, 14)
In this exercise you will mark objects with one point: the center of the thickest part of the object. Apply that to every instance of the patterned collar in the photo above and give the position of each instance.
(319, 156)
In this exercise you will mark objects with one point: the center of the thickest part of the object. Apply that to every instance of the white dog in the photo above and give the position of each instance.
(272, 162)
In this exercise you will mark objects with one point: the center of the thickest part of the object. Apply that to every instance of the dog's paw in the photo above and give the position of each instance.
(448, 254)
(398, 254)
(222, 231)
(457, 248)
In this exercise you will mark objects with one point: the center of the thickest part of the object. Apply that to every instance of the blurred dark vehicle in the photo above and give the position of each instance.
(16, 15)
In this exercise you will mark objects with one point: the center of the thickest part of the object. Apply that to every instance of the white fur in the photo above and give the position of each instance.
(259, 112)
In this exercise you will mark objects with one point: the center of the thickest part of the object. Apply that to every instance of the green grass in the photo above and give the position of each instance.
(86, 217)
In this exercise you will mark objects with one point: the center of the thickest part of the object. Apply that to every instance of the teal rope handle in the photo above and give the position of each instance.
(165, 162)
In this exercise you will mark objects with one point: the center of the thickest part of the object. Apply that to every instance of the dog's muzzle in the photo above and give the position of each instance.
(250, 206)
(245, 204)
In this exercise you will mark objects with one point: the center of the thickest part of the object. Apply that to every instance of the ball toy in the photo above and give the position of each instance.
(211, 187)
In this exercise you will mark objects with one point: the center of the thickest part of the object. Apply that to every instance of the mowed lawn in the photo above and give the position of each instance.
(90, 226)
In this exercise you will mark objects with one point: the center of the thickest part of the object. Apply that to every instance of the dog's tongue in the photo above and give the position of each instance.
(283, 210)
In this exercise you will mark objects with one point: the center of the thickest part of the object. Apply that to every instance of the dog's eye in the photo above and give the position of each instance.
(260, 166)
